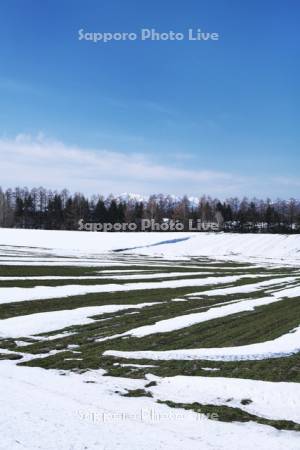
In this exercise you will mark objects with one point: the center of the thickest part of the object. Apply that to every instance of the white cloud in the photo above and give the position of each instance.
(38, 161)
(34, 161)
(287, 181)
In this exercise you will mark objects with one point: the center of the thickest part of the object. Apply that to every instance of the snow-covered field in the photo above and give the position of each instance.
(149, 341)
(271, 248)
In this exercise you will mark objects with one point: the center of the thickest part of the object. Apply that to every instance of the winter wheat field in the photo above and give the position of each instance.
(149, 341)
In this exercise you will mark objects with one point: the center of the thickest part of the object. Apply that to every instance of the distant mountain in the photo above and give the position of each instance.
(132, 197)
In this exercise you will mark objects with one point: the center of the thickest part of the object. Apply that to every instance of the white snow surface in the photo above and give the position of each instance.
(17, 294)
(42, 410)
(44, 322)
(277, 401)
(106, 277)
(283, 249)
(246, 288)
(233, 307)
(284, 345)
(187, 320)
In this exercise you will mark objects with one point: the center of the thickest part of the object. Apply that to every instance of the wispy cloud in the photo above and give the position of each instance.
(35, 161)
(287, 181)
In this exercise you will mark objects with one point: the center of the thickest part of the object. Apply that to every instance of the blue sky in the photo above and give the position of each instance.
(219, 117)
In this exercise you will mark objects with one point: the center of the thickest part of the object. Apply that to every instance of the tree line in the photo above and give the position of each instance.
(41, 208)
